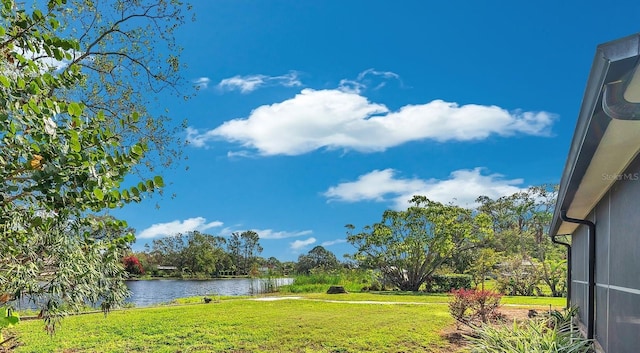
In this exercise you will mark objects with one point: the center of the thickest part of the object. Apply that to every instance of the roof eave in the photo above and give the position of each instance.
(592, 121)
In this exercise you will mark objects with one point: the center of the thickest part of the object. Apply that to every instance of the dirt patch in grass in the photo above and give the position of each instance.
(455, 338)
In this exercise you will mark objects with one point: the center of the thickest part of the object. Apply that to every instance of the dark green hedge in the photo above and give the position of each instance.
(445, 283)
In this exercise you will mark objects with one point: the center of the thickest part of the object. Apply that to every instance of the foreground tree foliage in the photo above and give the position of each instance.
(408, 246)
(71, 130)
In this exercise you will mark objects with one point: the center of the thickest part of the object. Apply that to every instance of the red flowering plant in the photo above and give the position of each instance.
(133, 265)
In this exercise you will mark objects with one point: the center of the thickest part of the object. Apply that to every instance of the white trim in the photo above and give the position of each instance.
(580, 282)
(625, 289)
(619, 289)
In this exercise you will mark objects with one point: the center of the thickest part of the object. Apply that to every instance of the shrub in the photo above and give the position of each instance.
(375, 286)
(469, 306)
(519, 276)
(562, 318)
(132, 265)
(534, 336)
(445, 283)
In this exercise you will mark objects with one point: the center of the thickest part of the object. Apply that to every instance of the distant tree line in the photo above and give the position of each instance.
(197, 254)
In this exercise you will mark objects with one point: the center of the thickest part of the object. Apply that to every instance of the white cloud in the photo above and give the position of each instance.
(462, 188)
(351, 86)
(249, 83)
(244, 84)
(366, 79)
(373, 72)
(175, 227)
(335, 119)
(271, 234)
(300, 244)
(202, 82)
(195, 138)
(373, 186)
(239, 154)
(333, 242)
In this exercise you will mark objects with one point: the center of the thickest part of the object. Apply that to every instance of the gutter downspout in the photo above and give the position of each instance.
(568, 246)
(591, 298)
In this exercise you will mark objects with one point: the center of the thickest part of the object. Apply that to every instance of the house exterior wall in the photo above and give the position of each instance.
(617, 268)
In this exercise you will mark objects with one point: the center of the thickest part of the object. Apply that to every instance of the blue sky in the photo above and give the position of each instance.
(314, 115)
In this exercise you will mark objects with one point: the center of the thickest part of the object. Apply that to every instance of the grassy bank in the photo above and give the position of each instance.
(310, 324)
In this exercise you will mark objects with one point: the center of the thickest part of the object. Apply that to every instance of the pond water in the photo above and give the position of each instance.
(144, 293)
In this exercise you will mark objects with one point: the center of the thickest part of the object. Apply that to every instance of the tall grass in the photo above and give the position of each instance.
(351, 280)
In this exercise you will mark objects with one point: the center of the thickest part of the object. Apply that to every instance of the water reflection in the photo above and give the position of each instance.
(144, 293)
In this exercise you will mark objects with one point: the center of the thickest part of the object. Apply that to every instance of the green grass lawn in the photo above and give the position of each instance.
(248, 326)
(245, 325)
(411, 297)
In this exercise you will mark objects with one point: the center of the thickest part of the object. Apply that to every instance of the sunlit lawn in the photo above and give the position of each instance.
(248, 326)
(245, 325)
(409, 297)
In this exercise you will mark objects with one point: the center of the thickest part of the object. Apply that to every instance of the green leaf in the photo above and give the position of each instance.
(74, 141)
(157, 181)
(129, 238)
(5, 81)
(74, 109)
(37, 222)
(98, 194)
(34, 107)
(58, 54)
(137, 150)
(54, 23)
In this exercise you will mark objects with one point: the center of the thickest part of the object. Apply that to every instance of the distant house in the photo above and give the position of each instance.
(166, 268)
(598, 202)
